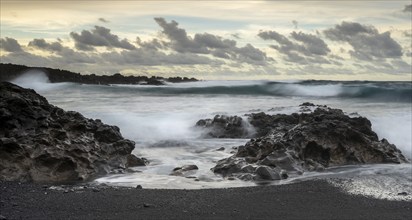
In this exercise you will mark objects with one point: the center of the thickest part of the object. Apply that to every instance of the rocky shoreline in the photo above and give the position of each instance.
(288, 145)
(9, 72)
(43, 143)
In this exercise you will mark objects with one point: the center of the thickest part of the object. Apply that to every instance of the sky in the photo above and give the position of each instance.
(235, 40)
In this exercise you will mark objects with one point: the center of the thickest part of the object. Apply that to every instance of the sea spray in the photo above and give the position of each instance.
(37, 80)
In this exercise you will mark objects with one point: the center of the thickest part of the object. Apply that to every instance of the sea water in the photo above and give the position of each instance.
(161, 119)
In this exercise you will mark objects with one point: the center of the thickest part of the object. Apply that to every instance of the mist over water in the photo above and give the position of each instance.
(161, 119)
(37, 80)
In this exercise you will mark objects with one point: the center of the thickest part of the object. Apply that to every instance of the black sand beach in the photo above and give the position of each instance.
(305, 200)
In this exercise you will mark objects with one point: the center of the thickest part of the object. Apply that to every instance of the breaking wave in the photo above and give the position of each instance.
(382, 91)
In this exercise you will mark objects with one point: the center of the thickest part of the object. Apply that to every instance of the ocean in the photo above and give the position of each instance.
(161, 119)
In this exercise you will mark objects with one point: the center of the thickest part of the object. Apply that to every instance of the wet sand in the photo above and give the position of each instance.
(315, 199)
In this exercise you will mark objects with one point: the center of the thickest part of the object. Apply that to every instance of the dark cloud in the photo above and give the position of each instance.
(213, 41)
(153, 44)
(221, 54)
(367, 42)
(209, 44)
(313, 45)
(179, 40)
(99, 36)
(65, 55)
(346, 30)
(305, 49)
(10, 45)
(252, 55)
(273, 35)
(103, 20)
(408, 8)
(42, 44)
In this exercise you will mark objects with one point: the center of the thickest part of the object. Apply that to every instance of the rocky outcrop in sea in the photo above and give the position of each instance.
(41, 142)
(9, 72)
(287, 145)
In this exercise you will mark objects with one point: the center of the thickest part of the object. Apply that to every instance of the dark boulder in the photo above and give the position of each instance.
(222, 126)
(185, 170)
(303, 142)
(41, 142)
(133, 161)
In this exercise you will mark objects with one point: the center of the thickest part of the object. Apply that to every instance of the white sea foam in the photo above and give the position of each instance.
(37, 80)
(382, 181)
(397, 129)
(153, 127)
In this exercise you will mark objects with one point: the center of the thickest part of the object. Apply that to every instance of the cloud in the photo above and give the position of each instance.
(213, 41)
(305, 49)
(153, 44)
(65, 55)
(103, 20)
(252, 55)
(99, 36)
(408, 8)
(179, 40)
(144, 55)
(10, 45)
(273, 35)
(42, 44)
(206, 43)
(367, 43)
(312, 44)
(346, 30)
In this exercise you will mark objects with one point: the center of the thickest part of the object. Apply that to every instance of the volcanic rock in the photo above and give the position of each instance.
(222, 126)
(41, 142)
(185, 170)
(292, 144)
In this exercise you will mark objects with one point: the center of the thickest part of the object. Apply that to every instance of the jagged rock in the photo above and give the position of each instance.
(222, 126)
(256, 125)
(185, 170)
(41, 142)
(267, 173)
(307, 104)
(303, 142)
(133, 161)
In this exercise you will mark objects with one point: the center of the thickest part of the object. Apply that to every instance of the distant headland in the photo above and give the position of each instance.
(11, 71)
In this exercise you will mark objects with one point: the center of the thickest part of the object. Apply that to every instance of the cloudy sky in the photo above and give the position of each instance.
(338, 40)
